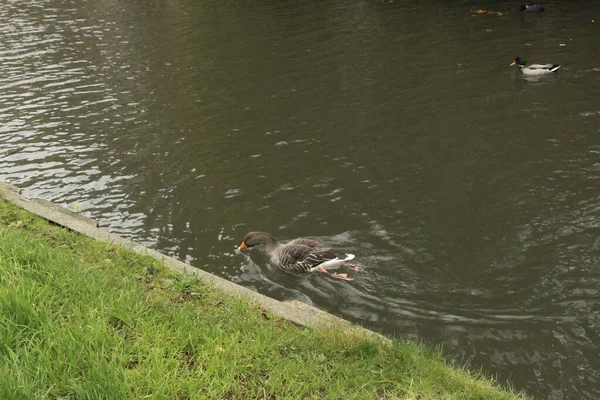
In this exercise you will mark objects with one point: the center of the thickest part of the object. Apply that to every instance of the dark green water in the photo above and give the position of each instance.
(470, 195)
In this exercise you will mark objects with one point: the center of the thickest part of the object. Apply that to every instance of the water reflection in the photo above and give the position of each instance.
(468, 193)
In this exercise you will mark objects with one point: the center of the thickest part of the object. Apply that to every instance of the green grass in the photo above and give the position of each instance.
(81, 319)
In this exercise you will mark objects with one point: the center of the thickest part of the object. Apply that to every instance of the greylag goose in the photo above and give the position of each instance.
(300, 255)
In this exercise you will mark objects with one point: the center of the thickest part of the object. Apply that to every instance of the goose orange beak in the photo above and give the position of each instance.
(242, 246)
(513, 63)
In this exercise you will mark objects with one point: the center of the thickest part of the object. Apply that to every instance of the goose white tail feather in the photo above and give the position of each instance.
(335, 263)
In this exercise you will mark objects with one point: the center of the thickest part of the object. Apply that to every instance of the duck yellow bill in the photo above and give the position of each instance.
(513, 63)
(242, 246)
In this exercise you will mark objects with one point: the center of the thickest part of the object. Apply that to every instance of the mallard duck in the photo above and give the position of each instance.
(300, 255)
(534, 69)
(532, 8)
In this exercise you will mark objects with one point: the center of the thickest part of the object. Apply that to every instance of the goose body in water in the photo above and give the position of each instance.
(300, 255)
(534, 69)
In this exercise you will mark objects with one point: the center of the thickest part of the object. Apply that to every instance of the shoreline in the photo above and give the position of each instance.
(153, 326)
(294, 311)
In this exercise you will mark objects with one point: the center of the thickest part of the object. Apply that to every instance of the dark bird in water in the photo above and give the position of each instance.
(532, 8)
(300, 255)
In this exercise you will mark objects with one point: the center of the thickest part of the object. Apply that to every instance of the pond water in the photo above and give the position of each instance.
(396, 129)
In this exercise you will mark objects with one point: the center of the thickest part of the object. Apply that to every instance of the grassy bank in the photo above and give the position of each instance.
(84, 319)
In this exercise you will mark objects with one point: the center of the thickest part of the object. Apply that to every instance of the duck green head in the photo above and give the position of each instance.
(519, 60)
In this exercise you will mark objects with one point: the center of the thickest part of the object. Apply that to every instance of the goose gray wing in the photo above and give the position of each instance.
(301, 258)
(291, 256)
(305, 242)
(319, 256)
(322, 257)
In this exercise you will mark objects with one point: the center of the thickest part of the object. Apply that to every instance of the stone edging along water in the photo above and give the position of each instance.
(293, 311)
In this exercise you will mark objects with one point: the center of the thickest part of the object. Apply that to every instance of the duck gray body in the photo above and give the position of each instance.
(298, 255)
(539, 69)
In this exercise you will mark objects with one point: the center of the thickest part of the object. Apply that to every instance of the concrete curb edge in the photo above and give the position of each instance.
(293, 311)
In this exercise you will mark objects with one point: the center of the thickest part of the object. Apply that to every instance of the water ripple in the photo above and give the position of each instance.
(471, 202)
